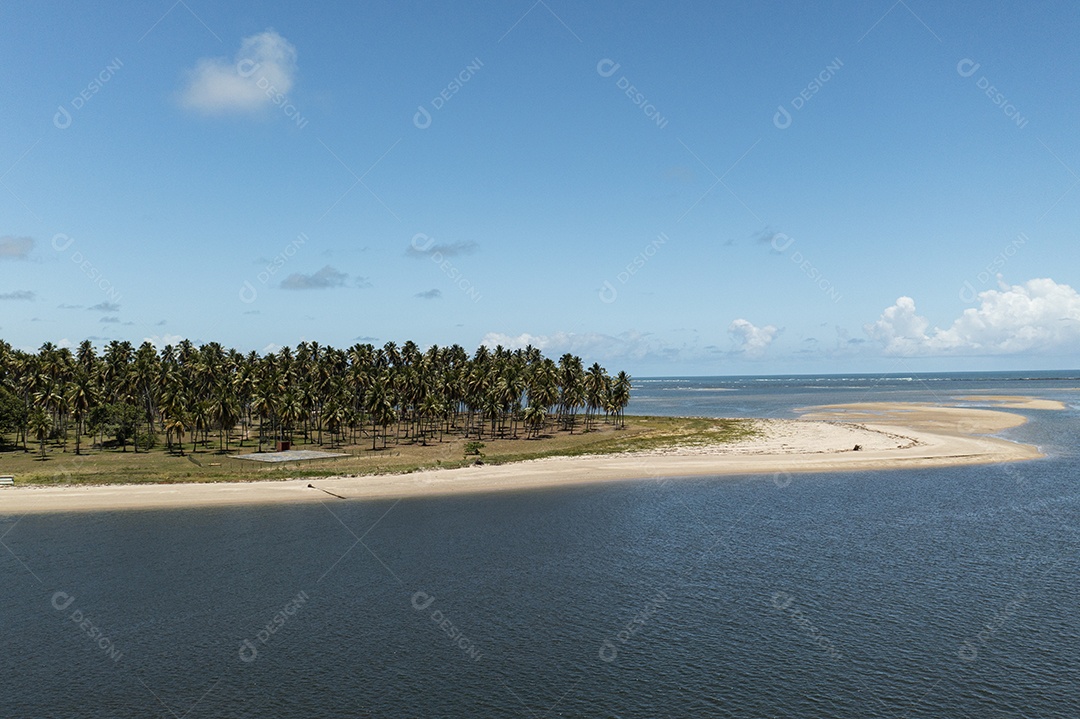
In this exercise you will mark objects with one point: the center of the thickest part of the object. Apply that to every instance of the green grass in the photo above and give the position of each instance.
(111, 466)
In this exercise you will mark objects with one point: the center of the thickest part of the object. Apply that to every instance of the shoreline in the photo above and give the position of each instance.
(891, 435)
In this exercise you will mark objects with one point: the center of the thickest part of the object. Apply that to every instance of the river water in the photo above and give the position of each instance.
(924, 593)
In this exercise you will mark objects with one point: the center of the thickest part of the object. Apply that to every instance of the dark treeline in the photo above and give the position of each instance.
(128, 395)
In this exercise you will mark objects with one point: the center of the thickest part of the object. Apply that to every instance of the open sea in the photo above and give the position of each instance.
(904, 593)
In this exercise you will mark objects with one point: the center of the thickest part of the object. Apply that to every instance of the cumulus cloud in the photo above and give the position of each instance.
(325, 278)
(105, 307)
(15, 248)
(218, 86)
(110, 320)
(900, 329)
(161, 341)
(1039, 315)
(752, 340)
(429, 294)
(452, 249)
(630, 345)
(18, 295)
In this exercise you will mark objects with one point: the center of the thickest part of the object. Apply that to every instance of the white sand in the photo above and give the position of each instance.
(1013, 402)
(892, 435)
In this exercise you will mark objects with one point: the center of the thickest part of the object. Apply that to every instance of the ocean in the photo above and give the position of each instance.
(902, 593)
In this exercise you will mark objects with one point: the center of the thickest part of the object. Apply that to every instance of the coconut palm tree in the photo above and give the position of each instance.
(534, 418)
(146, 379)
(226, 413)
(595, 387)
(335, 416)
(620, 395)
(381, 411)
(40, 425)
(571, 390)
(308, 390)
(80, 397)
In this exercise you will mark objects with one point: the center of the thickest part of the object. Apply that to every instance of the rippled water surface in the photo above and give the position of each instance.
(936, 593)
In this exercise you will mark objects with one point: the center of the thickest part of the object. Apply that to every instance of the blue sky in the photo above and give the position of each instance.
(668, 188)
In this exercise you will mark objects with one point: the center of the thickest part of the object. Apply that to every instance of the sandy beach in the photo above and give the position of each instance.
(1014, 402)
(890, 436)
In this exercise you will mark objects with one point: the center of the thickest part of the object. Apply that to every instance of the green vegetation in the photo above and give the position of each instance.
(209, 464)
(137, 415)
(193, 399)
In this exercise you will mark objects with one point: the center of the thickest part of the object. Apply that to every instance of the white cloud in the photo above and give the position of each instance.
(160, 341)
(217, 86)
(899, 329)
(592, 345)
(15, 248)
(752, 341)
(1039, 315)
(325, 278)
(450, 249)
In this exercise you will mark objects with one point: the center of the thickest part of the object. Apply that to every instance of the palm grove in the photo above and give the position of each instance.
(208, 394)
